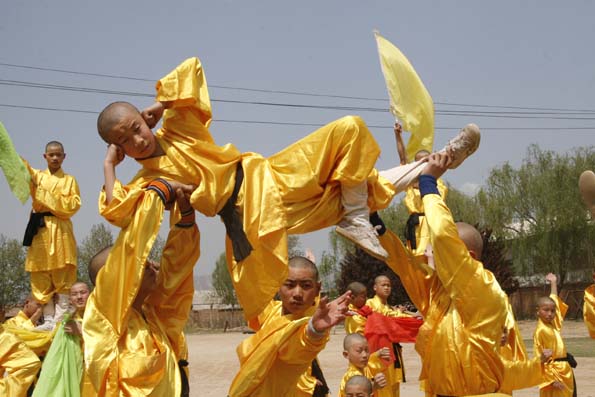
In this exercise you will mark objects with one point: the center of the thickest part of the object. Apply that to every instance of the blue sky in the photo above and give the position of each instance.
(533, 54)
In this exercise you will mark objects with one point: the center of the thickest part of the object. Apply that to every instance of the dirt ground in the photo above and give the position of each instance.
(213, 363)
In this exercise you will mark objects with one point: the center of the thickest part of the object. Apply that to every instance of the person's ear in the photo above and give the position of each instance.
(45, 156)
(473, 254)
(64, 156)
(345, 353)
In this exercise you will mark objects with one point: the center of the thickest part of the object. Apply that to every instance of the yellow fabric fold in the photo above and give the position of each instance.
(18, 364)
(132, 353)
(410, 102)
(355, 324)
(589, 310)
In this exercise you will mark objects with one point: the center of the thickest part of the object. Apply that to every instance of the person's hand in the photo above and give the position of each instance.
(379, 381)
(182, 195)
(114, 156)
(417, 315)
(384, 353)
(558, 385)
(437, 164)
(330, 314)
(551, 278)
(398, 129)
(73, 328)
(153, 114)
(37, 315)
(546, 354)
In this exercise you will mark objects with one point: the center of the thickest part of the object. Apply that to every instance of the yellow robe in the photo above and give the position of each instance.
(294, 191)
(547, 336)
(19, 365)
(414, 204)
(375, 366)
(589, 309)
(464, 309)
(54, 246)
(355, 324)
(20, 321)
(276, 360)
(131, 353)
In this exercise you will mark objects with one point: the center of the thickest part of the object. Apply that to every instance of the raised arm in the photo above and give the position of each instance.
(400, 145)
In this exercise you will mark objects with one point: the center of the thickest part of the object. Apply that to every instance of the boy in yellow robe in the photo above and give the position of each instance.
(278, 359)
(558, 379)
(586, 185)
(358, 386)
(325, 179)
(395, 373)
(416, 230)
(18, 365)
(51, 257)
(361, 362)
(28, 317)
(134, 318)
(355, 322)
(463, 306)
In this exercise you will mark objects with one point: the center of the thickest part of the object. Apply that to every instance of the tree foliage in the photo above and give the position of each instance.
(14, 281)
(99, 237)
(221, 281)
(538, 209)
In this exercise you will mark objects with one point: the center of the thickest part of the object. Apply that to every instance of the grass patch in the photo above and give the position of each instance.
(578, 347)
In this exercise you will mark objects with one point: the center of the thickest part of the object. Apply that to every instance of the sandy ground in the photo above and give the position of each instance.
(213, 363)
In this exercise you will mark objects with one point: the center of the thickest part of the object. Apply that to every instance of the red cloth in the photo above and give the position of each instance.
(365, 311)
(382, 331)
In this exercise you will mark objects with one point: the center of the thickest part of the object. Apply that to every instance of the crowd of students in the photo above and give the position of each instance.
(129, 327)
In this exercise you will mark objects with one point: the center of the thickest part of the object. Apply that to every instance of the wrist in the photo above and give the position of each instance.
(428, 185)
(313, 331)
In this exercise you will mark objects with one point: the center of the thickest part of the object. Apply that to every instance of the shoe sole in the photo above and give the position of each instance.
(342, 232)
(475, 138)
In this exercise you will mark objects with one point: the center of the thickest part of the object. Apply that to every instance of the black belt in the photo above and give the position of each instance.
(412, 222)
(320, 390)
(397, 350)
(184, 379)
(233, 223)
(35, 222)
(569, 359)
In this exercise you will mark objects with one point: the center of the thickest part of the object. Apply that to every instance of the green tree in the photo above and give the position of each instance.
(14, 281)
(99, 237)
(294, 246)
(538, 210)
(221, 281)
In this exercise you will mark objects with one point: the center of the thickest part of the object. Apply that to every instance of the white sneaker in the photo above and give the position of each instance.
(463, 145)
(362, 234)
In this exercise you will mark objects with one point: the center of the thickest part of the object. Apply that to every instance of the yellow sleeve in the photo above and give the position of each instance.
(376, 305)
(60, 195)
(416, 276)
(172, 300)
(18, 364)
(186, 91)
(355, 324)
(376, 364)
(521, 374)
(301, 349)
(117, 284)
(474, 290)
(589, 310)
(561, 309)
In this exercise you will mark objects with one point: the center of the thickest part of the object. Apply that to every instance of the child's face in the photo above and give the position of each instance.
(546, 312)
(54, 155)
(358, 354)
(79, 293)
(382, 288)
(359, 300)
(30, 307)
(356, 391)
(133, 135)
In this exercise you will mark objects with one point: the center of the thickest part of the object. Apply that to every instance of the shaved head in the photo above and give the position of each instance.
(356, 288)
(471, 237)
(300, 262)
(350, 339)
(545, 300)
(381, 278)
(97, 262)
(54, 144)
(79, 283)
(358, 381)
(111, 115)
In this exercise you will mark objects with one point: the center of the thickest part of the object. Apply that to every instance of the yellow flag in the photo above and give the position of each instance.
(410, 102)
